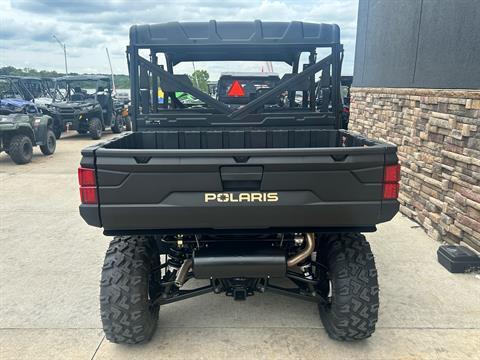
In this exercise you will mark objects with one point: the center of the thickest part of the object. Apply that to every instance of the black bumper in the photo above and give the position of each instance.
(359, 216)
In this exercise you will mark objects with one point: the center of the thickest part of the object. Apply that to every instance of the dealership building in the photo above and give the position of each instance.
(416, 84)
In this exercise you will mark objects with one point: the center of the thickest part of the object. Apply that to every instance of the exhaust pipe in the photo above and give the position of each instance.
(305, 253)
(182, 272)
(242, 261)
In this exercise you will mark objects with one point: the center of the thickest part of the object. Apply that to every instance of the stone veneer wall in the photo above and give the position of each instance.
(438, 137)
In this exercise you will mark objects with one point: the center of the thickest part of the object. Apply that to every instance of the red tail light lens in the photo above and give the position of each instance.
(86, 177)
(390, 191)
(391, 177)
(392, 173)
(88, 195)
(236, 89)
(88, 189)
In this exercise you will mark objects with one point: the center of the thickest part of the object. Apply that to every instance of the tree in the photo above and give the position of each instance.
(199, 79)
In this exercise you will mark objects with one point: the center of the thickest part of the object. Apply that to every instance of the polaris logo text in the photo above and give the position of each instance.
(241, 197)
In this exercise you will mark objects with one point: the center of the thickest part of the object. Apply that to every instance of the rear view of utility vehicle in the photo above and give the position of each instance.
(238, 199)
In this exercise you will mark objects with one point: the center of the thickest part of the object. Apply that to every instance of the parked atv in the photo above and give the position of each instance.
(23, 126)
(87, 106)
(122, 117)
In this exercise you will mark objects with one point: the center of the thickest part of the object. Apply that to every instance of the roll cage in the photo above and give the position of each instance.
(88, 81)
(235, 41)
(31, 87)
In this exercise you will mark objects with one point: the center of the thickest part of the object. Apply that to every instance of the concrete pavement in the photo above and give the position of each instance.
(50, 263)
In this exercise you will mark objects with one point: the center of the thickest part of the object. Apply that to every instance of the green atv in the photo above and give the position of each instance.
(23, 126)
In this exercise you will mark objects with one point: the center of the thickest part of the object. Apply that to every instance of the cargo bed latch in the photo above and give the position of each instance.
(241, 177)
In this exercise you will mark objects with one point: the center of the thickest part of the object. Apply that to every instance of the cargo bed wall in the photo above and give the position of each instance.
(238, 139)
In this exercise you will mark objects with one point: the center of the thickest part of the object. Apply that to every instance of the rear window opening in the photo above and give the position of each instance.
(239, 139)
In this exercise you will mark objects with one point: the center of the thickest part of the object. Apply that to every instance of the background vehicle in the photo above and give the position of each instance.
(35, 89)
(346, 84)
(241, 88)
(9, 89)
(86, 106)
(238, 196)
(23, 126)
(122, 118)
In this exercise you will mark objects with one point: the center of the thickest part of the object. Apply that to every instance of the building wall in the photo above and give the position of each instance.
(416, 84)
(418, 43)
(438, 137)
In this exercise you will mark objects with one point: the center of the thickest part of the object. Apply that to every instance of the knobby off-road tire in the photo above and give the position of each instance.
(117, 126)
(128, 123)
(95, 128)
(128, 315)
(50, 145)
(352, 310)
(20, 149)
(58, 132)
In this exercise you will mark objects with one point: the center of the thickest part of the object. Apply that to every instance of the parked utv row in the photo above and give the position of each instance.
(35, 111)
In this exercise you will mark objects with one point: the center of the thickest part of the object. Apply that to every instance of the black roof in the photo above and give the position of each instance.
(20, 77)
(83, 78)
(234, 40)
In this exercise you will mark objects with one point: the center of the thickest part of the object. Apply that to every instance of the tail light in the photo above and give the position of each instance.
(88, 186)
(391, 179)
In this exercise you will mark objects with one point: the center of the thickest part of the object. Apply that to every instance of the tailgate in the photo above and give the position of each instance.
(240, 189)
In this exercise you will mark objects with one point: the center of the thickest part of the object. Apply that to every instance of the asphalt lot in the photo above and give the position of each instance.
(50, 263)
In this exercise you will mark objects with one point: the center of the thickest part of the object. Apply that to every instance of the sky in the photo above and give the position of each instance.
(87, 27)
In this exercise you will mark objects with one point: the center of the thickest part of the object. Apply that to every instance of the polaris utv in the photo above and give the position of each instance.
(23, 126)
(86, 106)
(241, 198)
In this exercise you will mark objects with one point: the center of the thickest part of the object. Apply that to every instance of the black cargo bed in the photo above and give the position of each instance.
(277, 138)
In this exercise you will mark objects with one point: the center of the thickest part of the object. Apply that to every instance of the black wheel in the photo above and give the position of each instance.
(128, 123)
(117, 126)
(126, 290)
(57, 131)
(350, 284)
(50, 144)
(95, 128)
(20, 149)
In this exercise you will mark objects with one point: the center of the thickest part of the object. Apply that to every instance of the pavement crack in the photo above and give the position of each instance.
(98, 347)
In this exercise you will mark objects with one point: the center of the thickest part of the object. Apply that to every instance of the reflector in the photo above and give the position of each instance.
(392, 173)
(236, 89)
(390, 191)
(88, 195)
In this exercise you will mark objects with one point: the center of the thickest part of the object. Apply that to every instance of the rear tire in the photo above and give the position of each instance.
(126, 289)
(128, 123)
(352, 309)
(117, 126)
(51, 144)
(95, 128)
(58, 132)
(20, 149)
